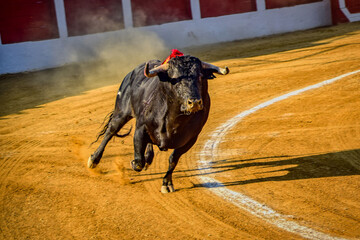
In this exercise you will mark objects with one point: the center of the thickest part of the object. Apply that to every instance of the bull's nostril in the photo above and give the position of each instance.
(194, 104)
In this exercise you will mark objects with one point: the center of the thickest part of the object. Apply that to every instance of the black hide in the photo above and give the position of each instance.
(170, 110)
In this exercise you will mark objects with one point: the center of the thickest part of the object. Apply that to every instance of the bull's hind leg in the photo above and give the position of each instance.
(173, 160)
(149, 155)
(114, 126)
(141, 140)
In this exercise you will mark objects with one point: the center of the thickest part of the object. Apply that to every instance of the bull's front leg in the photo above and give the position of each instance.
(168, 185)
(141, 139)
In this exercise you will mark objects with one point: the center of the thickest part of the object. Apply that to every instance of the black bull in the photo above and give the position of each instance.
(171, 104)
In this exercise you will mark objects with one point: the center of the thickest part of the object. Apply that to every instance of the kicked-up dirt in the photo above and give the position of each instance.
(299, 156)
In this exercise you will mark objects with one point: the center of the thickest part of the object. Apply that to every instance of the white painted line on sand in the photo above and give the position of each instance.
(209, 152)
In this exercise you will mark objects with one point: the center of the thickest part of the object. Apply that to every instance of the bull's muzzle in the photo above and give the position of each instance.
(194, 105)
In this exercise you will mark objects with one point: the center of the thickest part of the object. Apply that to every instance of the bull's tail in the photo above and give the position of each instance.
(108, 119)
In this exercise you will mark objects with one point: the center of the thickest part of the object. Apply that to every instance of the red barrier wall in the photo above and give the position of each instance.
(93, 16)
(270, 4)
(215, 8)
(348, 13)
(160, 11)
(353, 6)
(337, 15)
(27, 20)
(32, 20)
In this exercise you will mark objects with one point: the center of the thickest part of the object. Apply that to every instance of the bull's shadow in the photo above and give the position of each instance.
(325, 165)
(335, 164)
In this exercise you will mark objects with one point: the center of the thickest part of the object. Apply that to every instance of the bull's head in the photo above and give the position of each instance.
(188, 76)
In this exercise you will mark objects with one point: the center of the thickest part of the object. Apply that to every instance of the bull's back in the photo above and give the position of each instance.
(132, 87)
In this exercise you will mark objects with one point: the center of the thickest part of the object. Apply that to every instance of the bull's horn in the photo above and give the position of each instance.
(153, 72)
(222, 71)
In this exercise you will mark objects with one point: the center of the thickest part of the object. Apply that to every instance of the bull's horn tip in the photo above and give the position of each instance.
(225, 71)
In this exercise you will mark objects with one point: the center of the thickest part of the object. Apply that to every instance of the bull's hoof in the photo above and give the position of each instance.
(136, 167)
(147, 165)
(91, 163)
(167, 189)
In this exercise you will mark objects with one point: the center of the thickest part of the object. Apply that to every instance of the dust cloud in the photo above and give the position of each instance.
(114, 57)
(100, 62)
(122, 177)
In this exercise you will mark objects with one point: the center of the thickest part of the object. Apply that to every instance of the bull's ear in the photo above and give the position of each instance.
(216, 69)
(155, 71)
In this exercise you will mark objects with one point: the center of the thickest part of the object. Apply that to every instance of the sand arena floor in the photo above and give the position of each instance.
(299, 156)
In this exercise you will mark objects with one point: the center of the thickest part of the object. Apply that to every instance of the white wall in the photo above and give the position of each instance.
(27, 56)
